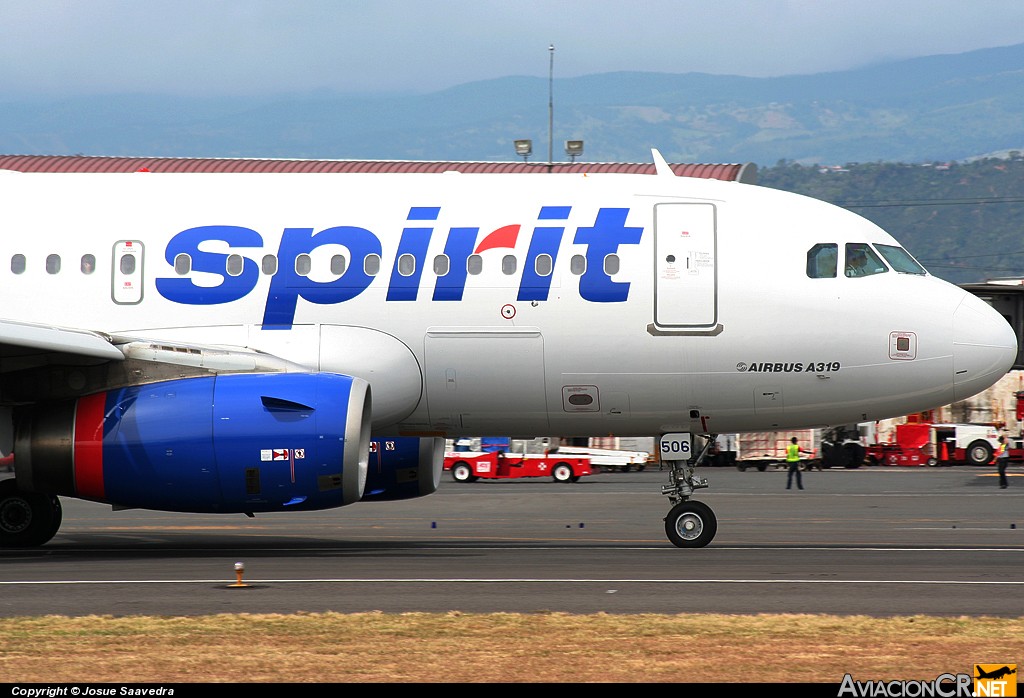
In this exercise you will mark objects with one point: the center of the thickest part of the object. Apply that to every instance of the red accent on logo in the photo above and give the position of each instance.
(505, 236)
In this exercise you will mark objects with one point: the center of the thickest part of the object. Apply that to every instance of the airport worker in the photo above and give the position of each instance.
(1002, 460)
(793, 452)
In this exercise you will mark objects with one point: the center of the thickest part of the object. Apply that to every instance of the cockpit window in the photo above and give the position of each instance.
(822, 260)
(900, 260)
(861, 260)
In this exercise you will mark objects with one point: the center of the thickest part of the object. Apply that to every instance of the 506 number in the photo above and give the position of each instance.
(676, 446)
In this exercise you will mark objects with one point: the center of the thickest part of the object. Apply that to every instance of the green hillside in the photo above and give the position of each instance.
(963, 221)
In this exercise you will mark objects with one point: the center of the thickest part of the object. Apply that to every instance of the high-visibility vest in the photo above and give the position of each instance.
(792, 452)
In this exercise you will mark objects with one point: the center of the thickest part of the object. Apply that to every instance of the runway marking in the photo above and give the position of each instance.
(783, 494)
(593, 546)
(525, 580)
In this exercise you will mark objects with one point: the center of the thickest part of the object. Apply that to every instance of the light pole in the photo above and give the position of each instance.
(551, 104)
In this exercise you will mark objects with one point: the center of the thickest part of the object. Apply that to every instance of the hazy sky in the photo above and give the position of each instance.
(225, 47)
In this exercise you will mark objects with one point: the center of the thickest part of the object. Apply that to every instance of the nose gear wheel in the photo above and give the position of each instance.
(689, 524)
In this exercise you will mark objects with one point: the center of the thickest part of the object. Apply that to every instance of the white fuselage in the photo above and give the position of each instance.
(672, 304)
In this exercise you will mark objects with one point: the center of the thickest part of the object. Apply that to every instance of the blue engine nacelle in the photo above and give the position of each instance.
(403, 468)
(230, 443)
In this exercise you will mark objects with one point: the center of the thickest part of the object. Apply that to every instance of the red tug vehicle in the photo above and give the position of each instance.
(469, 466)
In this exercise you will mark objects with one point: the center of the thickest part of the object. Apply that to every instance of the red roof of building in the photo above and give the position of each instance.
(81, 163)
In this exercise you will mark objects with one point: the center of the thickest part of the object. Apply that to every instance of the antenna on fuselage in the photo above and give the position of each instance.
(660, 166)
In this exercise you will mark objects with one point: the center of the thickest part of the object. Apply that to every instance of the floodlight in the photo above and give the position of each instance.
(524, 148)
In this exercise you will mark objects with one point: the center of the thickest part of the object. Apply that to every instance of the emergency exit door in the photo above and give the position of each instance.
(126, 272)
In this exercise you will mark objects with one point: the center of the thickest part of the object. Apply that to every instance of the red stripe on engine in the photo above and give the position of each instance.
(89, 446)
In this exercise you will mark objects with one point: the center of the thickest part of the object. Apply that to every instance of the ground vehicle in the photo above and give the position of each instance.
(607, 454)
(468, 466)
(924, 443)
(609, 459)
(1017, 442)
(842, 447)
(762, 450)
(839, 447)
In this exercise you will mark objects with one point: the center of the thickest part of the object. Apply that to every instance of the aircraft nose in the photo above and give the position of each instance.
(984, 347)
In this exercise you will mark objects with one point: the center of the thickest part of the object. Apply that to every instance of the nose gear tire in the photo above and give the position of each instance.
(691, 524)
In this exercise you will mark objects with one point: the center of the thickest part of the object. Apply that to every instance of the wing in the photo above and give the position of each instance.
(39, 362)
(19, 339)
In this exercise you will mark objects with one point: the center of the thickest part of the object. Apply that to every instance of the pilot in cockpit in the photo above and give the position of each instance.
(856, 263)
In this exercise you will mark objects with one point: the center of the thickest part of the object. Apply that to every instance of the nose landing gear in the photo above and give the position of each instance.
(689, 524)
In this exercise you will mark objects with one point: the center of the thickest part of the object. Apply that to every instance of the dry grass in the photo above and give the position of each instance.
(522, 648)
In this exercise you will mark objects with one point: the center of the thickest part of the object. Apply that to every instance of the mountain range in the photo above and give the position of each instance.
(935, 108)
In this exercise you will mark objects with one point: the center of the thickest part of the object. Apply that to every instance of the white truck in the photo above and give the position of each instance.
(609, 459)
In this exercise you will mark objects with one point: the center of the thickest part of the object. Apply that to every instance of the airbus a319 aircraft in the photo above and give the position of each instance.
(246, 343)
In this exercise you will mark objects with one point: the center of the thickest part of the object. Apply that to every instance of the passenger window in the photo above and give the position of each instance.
(406, 265)
(441, 264)
(861, 260)
(269, 264)
(182, 264)
(338, 264)
(822, 260)
(88, 263)
(611, 264)
(508, 264)
(578, 264)
(475, 264)
(542, 265)
(234, 265)
(303, 263)
(127, 264)
(18, 264)
(371, 265)
(52, 264)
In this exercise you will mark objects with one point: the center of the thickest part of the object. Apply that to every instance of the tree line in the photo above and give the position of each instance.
(961, 220)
